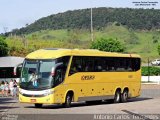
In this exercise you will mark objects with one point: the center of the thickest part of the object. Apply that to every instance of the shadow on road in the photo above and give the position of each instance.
(139, 99)
(6, 104)
(7, 107)
(84, 104)
(6, 100)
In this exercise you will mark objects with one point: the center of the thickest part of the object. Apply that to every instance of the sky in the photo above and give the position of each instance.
(17, 13)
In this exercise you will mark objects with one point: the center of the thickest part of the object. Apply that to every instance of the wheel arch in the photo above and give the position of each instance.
(69, 92)
(126, 89)
(118, 89)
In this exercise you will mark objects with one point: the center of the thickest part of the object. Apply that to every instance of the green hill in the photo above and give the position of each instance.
(137, 29)
(137, 19)
(136, 41)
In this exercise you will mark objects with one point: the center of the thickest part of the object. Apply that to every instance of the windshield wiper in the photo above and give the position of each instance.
(46, 87)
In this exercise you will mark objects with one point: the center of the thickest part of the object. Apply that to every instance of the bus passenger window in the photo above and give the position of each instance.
(98, 68)
(73, 70)
(86, 68)
(76, 65)
(79, 68)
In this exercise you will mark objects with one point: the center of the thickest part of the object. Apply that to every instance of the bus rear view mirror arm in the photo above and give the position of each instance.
(15, 68)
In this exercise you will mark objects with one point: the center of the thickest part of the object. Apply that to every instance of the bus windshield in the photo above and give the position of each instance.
(36, 74)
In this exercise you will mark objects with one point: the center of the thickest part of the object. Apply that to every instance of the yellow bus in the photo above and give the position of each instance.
(62, 76)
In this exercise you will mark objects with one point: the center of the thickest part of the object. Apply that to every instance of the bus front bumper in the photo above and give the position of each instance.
(48, 99)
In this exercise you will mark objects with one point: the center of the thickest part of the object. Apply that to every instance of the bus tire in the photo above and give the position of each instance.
(37, 105)
(124, 96)
(68, 100)
(117, 96)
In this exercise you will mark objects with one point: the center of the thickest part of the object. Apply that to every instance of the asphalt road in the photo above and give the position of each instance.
(143, 107)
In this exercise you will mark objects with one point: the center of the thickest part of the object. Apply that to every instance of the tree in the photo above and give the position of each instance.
(3, 47)
(155, 38)
(159, 49)
(108, 45)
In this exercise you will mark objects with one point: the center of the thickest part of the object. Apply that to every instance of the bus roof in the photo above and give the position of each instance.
(51, 53)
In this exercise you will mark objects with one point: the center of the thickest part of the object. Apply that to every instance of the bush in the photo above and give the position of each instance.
(108, 45)
(3, 47)
(152, 71)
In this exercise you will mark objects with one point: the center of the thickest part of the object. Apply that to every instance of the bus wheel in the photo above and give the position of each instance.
(117, 96)
(68, 100)
(124, 96)
(38, 105)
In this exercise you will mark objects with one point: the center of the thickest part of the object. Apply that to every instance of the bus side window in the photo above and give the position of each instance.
(135, 64)
(73, 69)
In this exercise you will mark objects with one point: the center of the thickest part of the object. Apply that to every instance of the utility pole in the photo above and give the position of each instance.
(148, 71)
(91, 26)
(148, 63)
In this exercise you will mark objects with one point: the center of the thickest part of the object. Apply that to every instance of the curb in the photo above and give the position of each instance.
(157, 83)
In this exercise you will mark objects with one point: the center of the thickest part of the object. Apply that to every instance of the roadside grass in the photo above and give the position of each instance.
(75, 38)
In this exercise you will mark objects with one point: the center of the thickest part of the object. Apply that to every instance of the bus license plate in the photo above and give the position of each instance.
(33, 100)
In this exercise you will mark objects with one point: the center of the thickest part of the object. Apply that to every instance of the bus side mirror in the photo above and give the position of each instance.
(15, 69)
(53, 70)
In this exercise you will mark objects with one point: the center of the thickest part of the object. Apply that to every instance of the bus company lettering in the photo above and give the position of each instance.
(88, 77)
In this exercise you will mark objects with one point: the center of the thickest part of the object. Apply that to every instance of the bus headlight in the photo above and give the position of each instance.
(48, 92)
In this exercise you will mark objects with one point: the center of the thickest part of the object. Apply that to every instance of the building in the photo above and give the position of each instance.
(7, 65)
